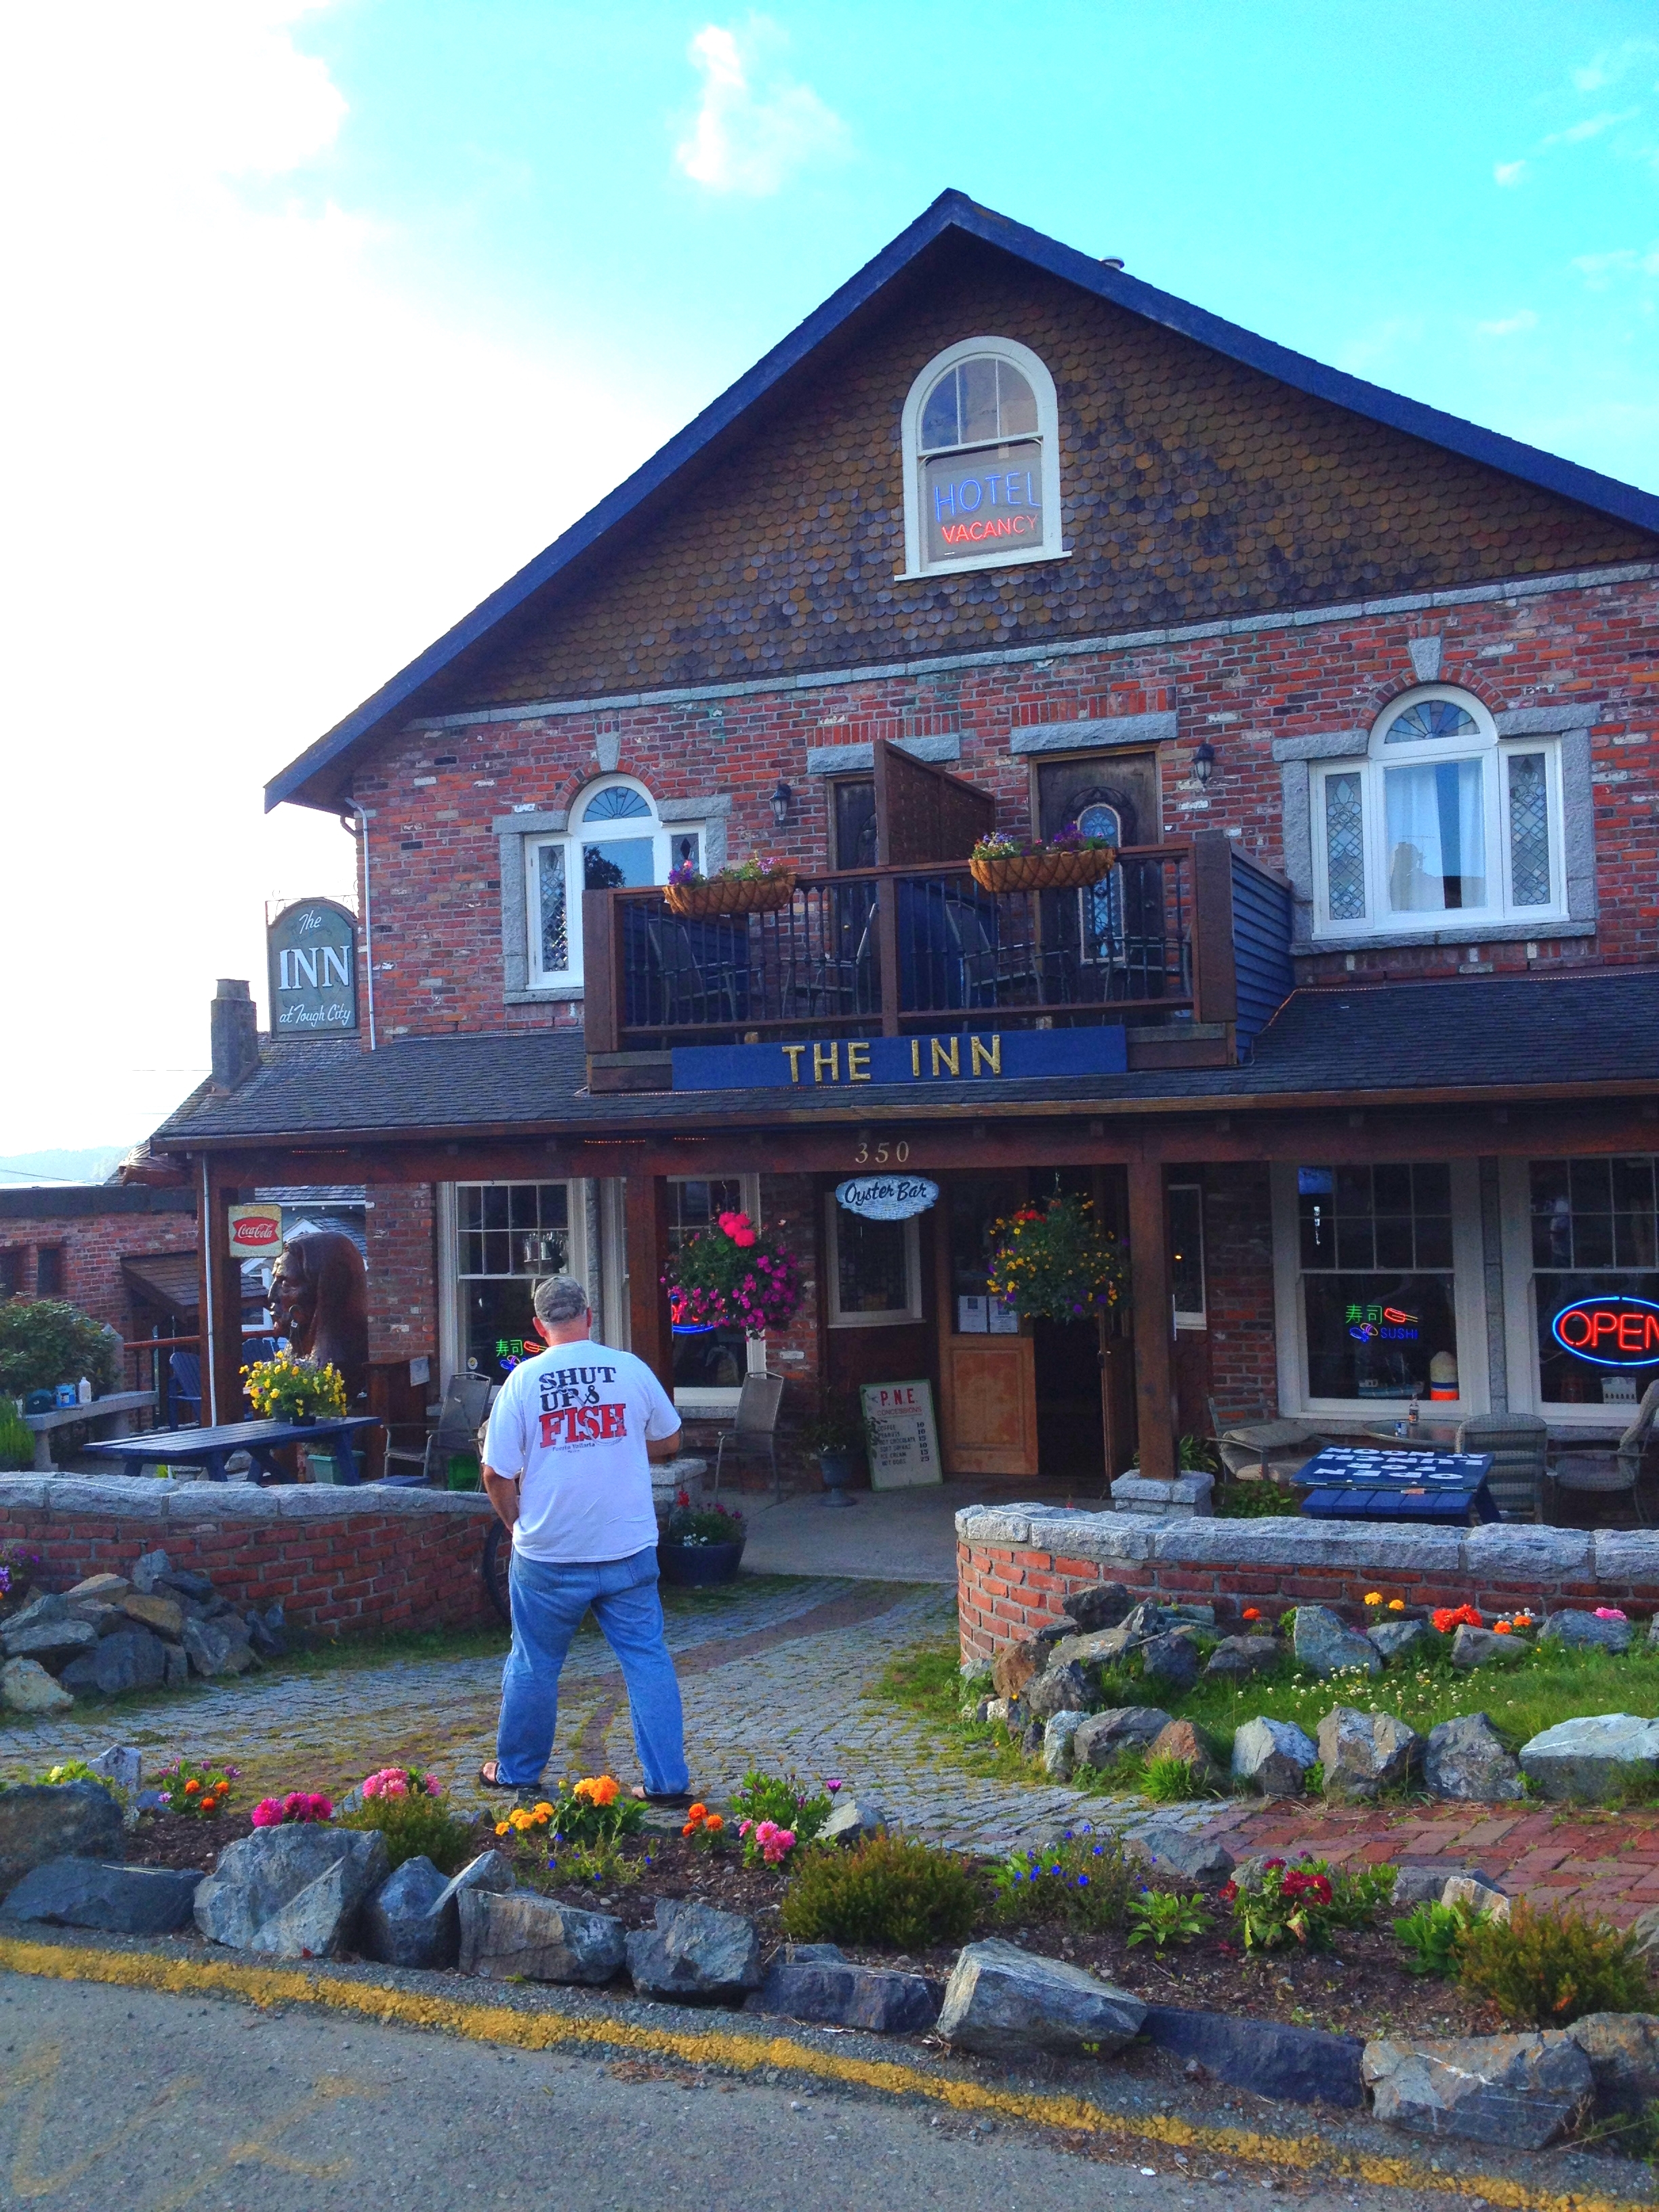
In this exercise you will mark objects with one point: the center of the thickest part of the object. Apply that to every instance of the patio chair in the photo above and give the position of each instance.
(1517, 1444)
(754, 1429)
(184, 1390)
(465, 1402)
(1606, 1474)
(1262, 1448)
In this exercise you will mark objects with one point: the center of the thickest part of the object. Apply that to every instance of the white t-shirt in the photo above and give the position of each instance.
(572, 1424)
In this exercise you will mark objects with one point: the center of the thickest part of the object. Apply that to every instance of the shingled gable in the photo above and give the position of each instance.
(1208, 473)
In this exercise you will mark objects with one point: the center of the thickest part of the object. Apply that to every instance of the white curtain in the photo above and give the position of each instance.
(1437, 832)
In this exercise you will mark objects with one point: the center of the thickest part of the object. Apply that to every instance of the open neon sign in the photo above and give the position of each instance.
(1610, 1331)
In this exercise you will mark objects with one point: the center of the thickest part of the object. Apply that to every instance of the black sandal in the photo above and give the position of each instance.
(494, 1782)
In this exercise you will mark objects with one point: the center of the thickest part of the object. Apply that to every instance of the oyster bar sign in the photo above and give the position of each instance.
(312, 949)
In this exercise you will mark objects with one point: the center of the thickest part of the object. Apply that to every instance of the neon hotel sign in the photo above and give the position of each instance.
(991, 503)
(1610, 1331)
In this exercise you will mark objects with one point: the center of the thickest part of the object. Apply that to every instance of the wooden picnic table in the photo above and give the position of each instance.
(118, 1408)
(1345, 1482)
(211, 1448)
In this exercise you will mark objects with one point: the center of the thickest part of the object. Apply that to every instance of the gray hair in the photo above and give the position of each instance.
(560, 1298)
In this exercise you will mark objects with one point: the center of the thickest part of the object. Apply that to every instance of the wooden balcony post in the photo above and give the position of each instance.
(650, 1333)
(219, 1296)
(602, 969)
(1215, 983)
(1151, 1289)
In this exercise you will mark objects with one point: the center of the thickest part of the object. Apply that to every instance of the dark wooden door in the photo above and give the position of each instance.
(1127, 783)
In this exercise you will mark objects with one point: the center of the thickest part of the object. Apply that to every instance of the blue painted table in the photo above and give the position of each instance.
(1348, 1482)
(211, 1448)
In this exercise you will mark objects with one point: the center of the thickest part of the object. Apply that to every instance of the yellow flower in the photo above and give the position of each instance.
(1373, 1597)
(501, 1828)
(1396, 1605)
(543, 1811)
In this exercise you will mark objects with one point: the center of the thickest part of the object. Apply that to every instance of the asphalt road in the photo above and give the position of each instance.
(116, 2097)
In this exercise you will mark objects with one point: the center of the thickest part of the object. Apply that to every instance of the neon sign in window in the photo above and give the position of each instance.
(1616, 1331)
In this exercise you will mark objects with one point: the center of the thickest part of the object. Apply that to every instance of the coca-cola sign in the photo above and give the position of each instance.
(256, 1231)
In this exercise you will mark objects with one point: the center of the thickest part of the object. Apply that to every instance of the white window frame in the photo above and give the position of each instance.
(1379, 918)
(835, 1317)
(1520, 1308)
(1468, 1304)
(1199, 1319)
(1035, 371)
(451, 1350)
(693, 1397)
(663, 834)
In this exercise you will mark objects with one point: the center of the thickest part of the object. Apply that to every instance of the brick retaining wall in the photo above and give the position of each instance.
(339, 1559)
(1016, 1566)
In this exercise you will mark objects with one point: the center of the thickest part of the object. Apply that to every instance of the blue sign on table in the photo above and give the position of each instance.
(939, 1063)
(1345, 1482)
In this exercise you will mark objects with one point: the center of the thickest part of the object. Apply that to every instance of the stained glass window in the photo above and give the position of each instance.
(1432, 718)
(1529, 830)
(615, 803)
(555, 916)
(1345, 848)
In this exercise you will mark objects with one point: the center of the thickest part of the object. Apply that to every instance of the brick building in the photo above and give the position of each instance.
(123, 1254)
(1356, 1045)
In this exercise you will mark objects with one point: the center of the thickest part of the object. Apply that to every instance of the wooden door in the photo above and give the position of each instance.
(988, 1382)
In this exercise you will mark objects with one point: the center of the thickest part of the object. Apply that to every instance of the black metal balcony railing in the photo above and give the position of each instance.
(897, 950)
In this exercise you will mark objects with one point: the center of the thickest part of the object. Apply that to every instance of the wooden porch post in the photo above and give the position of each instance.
(1149, 1261)
(646, 1229)
(219, 1296)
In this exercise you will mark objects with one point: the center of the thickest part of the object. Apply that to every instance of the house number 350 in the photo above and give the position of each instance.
(881, 1154)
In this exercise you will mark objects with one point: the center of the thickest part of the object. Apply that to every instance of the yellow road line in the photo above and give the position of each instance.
(752, 2051)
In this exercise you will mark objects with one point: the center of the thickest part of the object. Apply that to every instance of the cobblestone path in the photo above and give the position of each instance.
(781, 1677)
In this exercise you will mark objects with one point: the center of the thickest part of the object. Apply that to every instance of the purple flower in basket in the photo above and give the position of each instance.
(685, 873)
(1068, 838)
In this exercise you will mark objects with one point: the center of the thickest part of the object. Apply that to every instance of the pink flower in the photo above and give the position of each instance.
(832, 1782)
(267, 1813)
(1609, 1612)
(434, 1786)
(744, 1826)
(743, 1238)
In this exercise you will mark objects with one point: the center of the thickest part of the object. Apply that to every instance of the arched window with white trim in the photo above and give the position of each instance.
(617, 837)
(1441, 825)
(981, 460)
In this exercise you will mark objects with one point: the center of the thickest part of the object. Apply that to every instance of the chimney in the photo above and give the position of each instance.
(235, 1034)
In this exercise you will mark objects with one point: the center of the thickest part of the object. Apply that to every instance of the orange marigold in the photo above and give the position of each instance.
(191, 1788)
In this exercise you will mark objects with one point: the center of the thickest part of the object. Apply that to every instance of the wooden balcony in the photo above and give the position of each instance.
(903, 950)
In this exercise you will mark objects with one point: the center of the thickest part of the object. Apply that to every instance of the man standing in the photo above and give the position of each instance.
(567, 1464)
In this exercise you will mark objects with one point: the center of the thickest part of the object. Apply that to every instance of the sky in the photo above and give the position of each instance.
(324, 318)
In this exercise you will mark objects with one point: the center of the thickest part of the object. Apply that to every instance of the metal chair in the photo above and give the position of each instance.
(1258, 1450)
(465, 1402)
(754, 1429)
(184, 1390)
(1517, 1443)
(1606, 1474)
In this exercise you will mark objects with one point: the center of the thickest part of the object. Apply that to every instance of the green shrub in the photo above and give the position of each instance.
(46, 1341)
(1432, 1936)
(1251, 1501)
(1162, 1916)
(904, 1896)
(1170, 1780)
(1548, 1969)
(16, 1438)
(1306, 1901)
(783, 1798)
(1084, 1878)
(418, 1827)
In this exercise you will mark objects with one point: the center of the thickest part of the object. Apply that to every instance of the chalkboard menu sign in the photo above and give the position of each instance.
(901, 1435)
(311, 947)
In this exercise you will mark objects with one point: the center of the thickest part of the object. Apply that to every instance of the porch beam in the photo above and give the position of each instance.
(1154, 1345)
(650, 1333)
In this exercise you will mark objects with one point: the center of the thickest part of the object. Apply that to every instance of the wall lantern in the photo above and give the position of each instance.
(1204, 764)
(782, 798)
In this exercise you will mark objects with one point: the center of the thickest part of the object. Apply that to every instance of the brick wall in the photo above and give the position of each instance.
(1238, 1287)
(403, 1306)
(1014, 1573)
(335, 1564)
(93, 1246)
(436, 890)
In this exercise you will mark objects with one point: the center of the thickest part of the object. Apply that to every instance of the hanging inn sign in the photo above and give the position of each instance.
(312, 948)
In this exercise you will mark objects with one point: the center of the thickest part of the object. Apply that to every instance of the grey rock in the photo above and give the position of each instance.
(1170, 1663)
(1170, 1849)
(1623, 2050)
(176, 1662)
(26, 1687)
(695, 1951)
(1272, 1757)
(1364, 1753)
(1145, 1619)
(879, 1999)
(132, 1659)
(1424, 1882)
(1061, 1689)
(808, 1951)
(123, 1764)
(111, 1588)
(1059, 1739)
(51, 1605)
(1397, 1639)
(400, 1925)
(1484, 1647)
(148, 1570)
(103, 1619)
(1475, 1895)
(1465, 1758)
(263, 1640)
(1236, 1658)
(488, 1874)
(215, 1647)
(1583, 1631)
(1589, 1757)
(1031, 1742)
(1300, 2065)
(74, 1893)
(1101, 1647)
(49, 1641)
(1102, 1605)
(1326, 1645)
(1106, 1737)
(185, 1582)
(1004, 2002)
(1052, 1630)
(55, 1820)
(291, 1890)
(1521, 2091)
(1186, 1744)
(1646, 1929)
(854, 1819)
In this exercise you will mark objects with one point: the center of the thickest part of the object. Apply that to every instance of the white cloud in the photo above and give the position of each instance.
(1511, 325)
(754, 127)
(1608, 67)
(1591, 127)
(1509, 172)
(247, 480)
(1599, 270)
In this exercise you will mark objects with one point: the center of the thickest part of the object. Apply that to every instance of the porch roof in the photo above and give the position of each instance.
(1562, 1036)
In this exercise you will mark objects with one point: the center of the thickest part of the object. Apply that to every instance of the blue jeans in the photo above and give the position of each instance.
(548, 1600)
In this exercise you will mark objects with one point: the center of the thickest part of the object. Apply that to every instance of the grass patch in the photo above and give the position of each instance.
(927, 1680)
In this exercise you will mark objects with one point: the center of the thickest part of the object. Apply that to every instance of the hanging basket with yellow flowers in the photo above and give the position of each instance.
(1056, 1262)
(290, 1389)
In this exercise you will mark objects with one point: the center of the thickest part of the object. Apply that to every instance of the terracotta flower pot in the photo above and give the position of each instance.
(1043, 872)
(744, 895)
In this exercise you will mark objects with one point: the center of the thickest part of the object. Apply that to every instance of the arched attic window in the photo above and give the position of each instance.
(981, 460)
(617, 837)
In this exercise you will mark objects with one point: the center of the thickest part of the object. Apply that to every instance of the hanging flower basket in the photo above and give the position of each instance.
(731, 1275)
(755, 887)
(1048, 869)
(1056, 1263)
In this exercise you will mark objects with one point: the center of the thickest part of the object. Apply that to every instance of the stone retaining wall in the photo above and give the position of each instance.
(1016, 1566)
(338, 1558)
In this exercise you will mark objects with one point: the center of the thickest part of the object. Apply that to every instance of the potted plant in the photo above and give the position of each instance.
(1056, 1262)
(1068, 862)
(837, 1435)
(733, 1275)
(749, 887)
(288, 1388)
(700, 1545)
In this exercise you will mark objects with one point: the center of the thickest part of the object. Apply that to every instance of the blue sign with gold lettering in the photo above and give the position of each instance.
(949, 1063)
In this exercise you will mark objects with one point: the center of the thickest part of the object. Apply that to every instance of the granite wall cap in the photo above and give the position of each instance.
(1626, 1555)
(1506, 1549)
